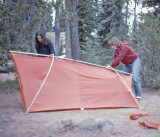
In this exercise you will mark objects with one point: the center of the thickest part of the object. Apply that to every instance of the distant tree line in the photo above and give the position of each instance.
(20, 19)
(88, 24)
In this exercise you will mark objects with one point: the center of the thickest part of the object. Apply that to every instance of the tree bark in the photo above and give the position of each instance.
(127, 12)
(33, 29)
(67, 33)
(135, 17)
(74, 32)
(144, 43)
(57, 32)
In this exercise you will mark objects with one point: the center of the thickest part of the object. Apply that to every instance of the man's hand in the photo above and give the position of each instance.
(52, 55)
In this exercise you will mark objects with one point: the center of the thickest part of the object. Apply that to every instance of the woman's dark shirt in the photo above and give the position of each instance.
(47, 50)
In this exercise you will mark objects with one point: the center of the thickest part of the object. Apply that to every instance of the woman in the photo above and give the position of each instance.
(125, 54)
(43, 45)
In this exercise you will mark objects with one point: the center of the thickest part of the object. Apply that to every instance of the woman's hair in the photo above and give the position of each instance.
(44, 39)
(114, 41)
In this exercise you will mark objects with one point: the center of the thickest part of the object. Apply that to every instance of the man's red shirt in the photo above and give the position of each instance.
(124, 54)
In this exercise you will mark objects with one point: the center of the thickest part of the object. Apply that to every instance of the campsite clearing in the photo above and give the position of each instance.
(77, 123)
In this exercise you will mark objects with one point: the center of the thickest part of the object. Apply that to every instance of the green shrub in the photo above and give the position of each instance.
(9, 85)
(155, 83)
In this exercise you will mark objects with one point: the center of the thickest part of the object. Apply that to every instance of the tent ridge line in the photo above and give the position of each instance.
(88, 63)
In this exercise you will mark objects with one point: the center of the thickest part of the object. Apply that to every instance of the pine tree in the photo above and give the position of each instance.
(155, 4)
(112, 20)
(147, 45)
(67, 31)
(62, 17)
(90, 49)
(72, 36)
(20, 20)
(74, 32)
(57, 6)
(87, 20)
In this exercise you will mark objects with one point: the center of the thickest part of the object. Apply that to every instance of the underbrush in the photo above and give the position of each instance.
(9, 86)
(155, 84)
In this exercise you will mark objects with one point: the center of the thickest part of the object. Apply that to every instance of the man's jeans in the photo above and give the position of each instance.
(135, 69)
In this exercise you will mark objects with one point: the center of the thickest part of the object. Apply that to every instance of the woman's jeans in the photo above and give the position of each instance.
(135, 69)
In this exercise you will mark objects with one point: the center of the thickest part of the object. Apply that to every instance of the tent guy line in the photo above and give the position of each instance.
(42, 84)
(124, 82)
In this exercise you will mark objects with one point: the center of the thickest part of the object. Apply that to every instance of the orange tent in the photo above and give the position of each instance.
(49, 83)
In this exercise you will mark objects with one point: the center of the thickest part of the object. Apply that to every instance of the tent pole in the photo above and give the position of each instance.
(27, 53)
(126, 86)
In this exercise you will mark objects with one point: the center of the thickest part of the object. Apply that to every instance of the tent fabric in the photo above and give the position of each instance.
(69, 85)
(150, 124)
(138, 114)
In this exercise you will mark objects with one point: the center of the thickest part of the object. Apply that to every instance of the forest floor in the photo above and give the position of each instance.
(14, 122)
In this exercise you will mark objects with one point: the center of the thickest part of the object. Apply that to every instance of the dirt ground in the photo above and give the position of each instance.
(7, 76)
(14, 122)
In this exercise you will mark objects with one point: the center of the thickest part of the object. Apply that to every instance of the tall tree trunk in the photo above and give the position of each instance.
(57, 32)
(127, 12)
(7, 22)
(74, 32)
(67, 33)
(144, 43)
(33, 28)
(8, 39)
(135, 17)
